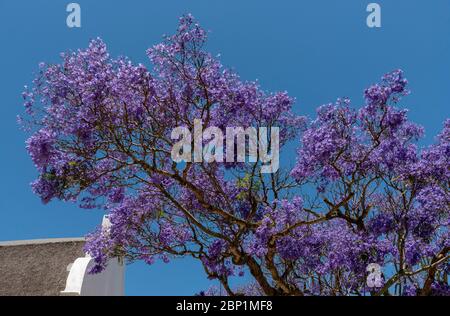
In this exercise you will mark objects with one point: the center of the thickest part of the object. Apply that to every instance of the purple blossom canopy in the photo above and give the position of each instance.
(361, 190)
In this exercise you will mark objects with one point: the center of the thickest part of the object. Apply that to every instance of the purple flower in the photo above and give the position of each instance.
(361, 191)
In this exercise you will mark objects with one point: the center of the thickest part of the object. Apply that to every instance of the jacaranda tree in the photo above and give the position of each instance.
(361, 191)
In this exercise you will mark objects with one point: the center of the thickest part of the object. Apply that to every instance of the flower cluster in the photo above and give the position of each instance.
(361, 191)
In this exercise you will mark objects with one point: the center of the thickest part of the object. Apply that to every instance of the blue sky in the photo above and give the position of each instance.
(317, 50)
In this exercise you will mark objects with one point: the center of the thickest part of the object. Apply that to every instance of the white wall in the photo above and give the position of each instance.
(109, 282)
